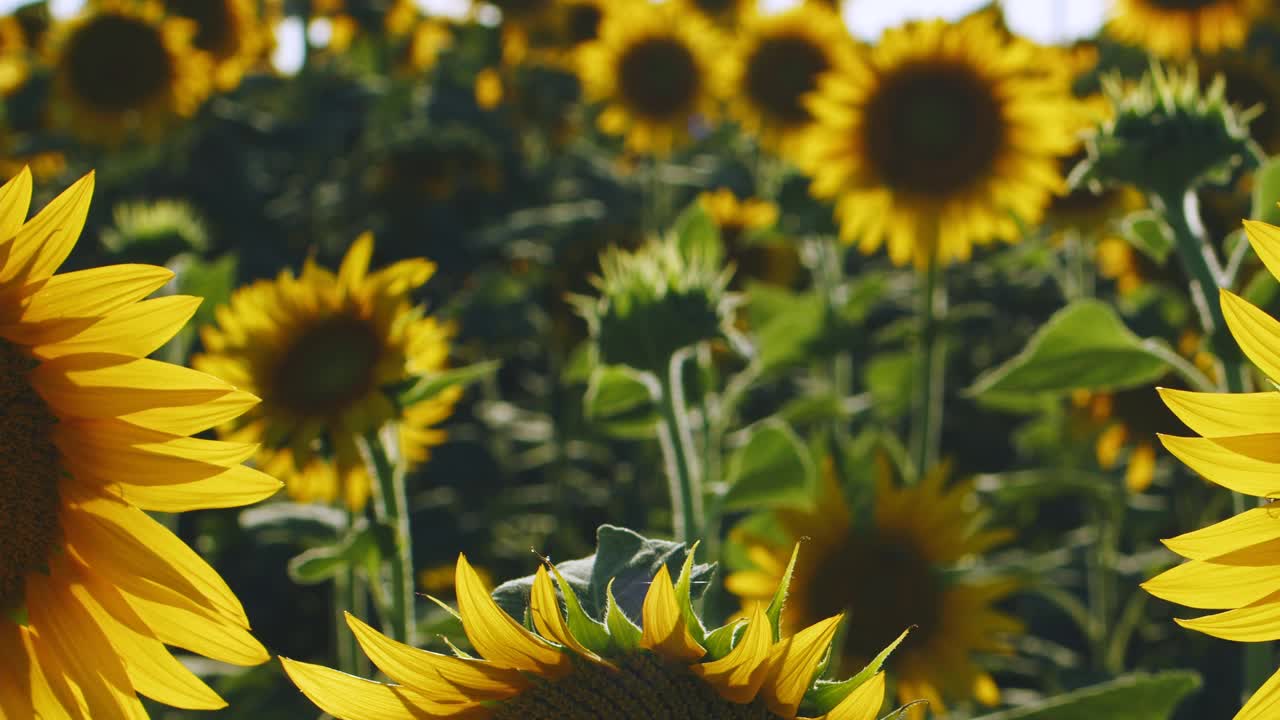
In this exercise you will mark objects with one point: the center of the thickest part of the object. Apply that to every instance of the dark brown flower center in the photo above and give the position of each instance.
(716, 7)
(583, 23)
(933, 129)
(328, 366)
(643, 687)
(214, 24)
(521, 9)
(1183, 4)
(658, 78)
(29, 477)
(886, 585)
(779, 73)
(117, 63)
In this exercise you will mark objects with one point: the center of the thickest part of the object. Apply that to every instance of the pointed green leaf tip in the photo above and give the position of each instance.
(774, 612)
(426, 387)
(685, 599)
(593, 635)
(826, 696)
(623, 634)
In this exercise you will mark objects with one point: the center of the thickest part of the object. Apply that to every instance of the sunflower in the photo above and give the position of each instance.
(775, 62)
(726, 13)
(741, 221)
(654, 67)
(124, 67)
(577, 667)
(1232, 565)
(322, 350)
(231, 31)
(13, 55)
(1130, 419)
(1178, 28)
(428, 39)
(91, 588)
(938, 138)
(916, 539)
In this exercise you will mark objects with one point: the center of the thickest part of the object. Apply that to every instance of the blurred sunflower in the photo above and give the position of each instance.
(654, 68)
(726, 13)
(576, 667)
(1178, 28)
(428, 39)
(231, 31)
(741, 222)
(91, 588)
(13, 55)
(938, 138)
(775, 62)
(918, 536)
(572, 25)
(1119, 262)
(1232, 565)
(321, 350)
(1132, 419)
(123, 67)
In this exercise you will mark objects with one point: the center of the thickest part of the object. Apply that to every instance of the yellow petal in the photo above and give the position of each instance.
(863, 703)
(236, 486)
(1109, 445)
(739, 675)
(1244, 530)
(663, 625)
(1231, 470)
(544, 606)
(356, 263)
(16, 693)
(1257, 333)
(1259, 622)
(496, 635)
(1217, 585)
(180, 621)
(420, 670)
(106, 385)
(137, 330)
(191, 419)
(1225, 414)
(347, 697)
(44, 242)
(93, 293)
(1265, 703)
(1265, 240)
(15, 202)
(1142, 468)
(792, 664)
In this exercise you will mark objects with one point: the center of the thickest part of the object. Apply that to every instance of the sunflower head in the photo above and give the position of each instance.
(156, 230)
(656, 301)
(230, 31)
(92, 589)
(1178, 28)
(13, 55)
(938, 138)
(1167, 136)
(726, 13)
(327, 353)
(654, 69)
(123, 68)
(897, 566)
(567, 664)
(1131, 420)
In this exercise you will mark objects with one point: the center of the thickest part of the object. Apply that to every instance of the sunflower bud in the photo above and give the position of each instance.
(154, 231)
(1168, 135)
(656, 301)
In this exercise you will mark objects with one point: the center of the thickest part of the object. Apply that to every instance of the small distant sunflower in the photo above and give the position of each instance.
(1119, 262)
(1132, 419)
(428, 39)
(231, 31)
(740, 223)
(321, 350)
(938, 138)
(776, 61)
(1232, 565)
(1178, 28)
(654, 68)
(123, 68)
(918, 536)
(575, 667)
(13, 55)
(92, 589)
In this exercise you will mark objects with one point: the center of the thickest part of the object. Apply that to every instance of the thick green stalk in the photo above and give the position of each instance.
(680, 455)
(393, 512)
(926, 431)
(344, 590)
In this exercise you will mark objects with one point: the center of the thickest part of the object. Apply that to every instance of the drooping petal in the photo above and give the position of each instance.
(1240, 531)
(1231, 470)
(138, 330)
(1257, 333)
(347, 697)
(496, 635)
(1220, 584)
(1225, 414)
(107, 385)
(861, 704)
(548, 618)
(739, 675)
(45, 240)
(792, 664)
(1265, 703)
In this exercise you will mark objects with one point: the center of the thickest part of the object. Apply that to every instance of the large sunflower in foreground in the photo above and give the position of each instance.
(653, 67)
(1178, 28)
(91, 588)
(776, 61)
(123, 68)
(917, 538)
(940, 137)
(231, 31)
(324, 351)
(1233, 565)
(578, 668)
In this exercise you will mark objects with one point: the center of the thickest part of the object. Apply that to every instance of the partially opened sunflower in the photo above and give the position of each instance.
(575, 667)
(1233, 566)
(231, 31)
(92, 589)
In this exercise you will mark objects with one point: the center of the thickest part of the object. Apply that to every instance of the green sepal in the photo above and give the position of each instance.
(685, 600)
(722, 640)
(457, 651)
(593, 635)
(623, 634)
(418, 389)
(826, 695)
(774, 613)
(18, 615)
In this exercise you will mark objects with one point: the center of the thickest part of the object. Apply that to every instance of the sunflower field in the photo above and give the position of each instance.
(637, 360)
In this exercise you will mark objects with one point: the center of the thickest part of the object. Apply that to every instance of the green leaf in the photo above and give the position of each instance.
(591, 633)
(825, 696)
(697, 235)
(366, 544)
(772, 469)
(786, 324)
(621, 401)
(684, 597)
(774, 611)
(1148, 232)
(293, 522)
(428, 386)
(1138, 696)
(889, 377)
(1266, 191)
(212, 280)
(721, 640)
(1084, 346)
(623, 634)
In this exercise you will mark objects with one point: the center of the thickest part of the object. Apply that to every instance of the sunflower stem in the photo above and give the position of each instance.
(393, 512)
(926, 432)
(344, 592)
(680, 454)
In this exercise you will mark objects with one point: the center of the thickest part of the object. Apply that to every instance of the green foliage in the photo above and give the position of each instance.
(1132, 697)
(771, 469)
